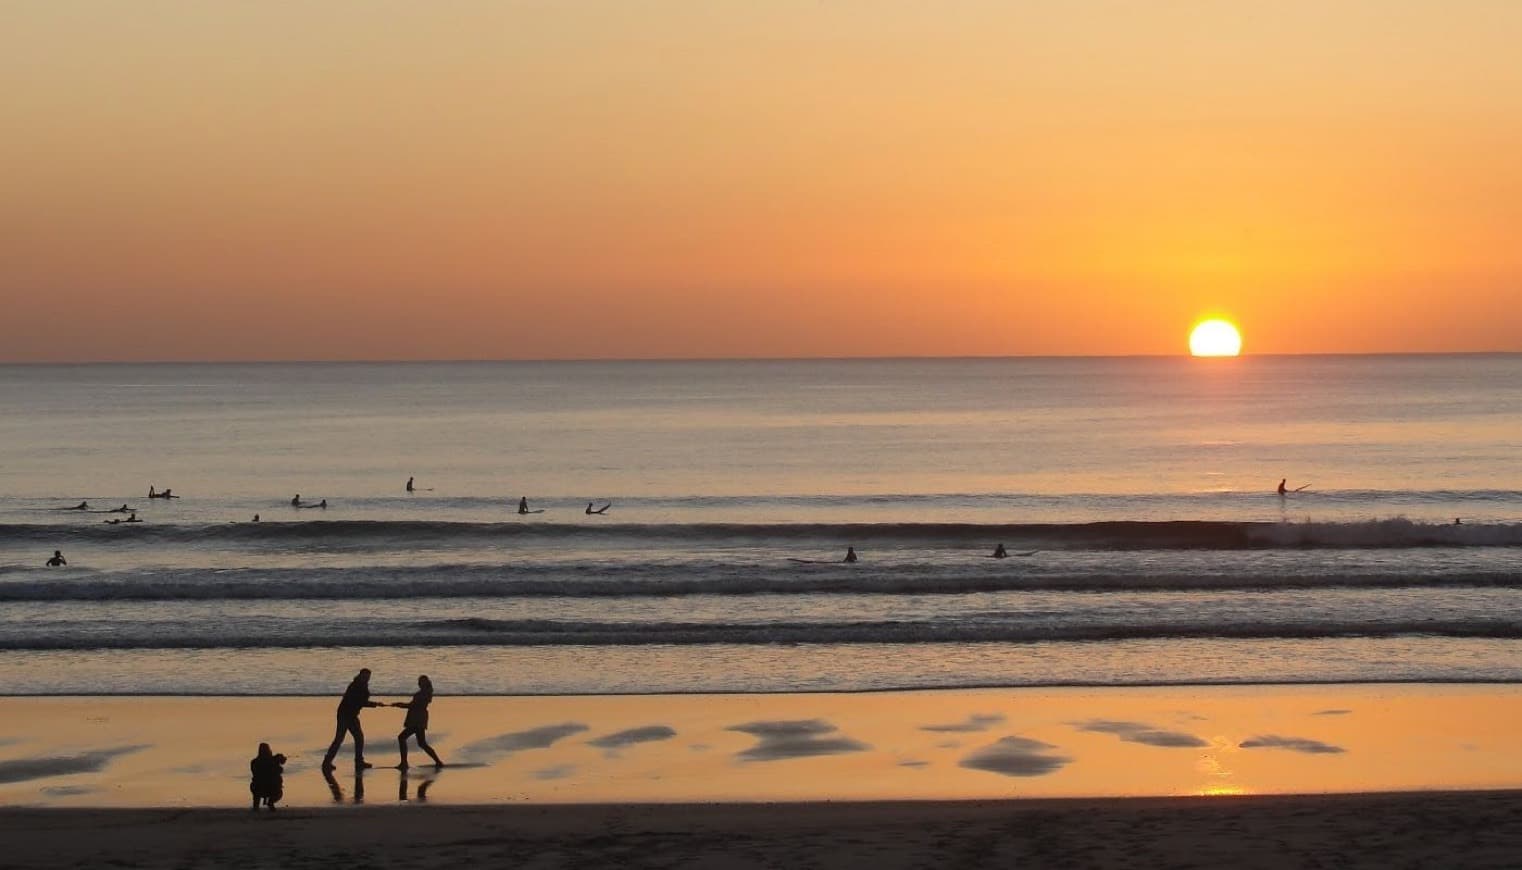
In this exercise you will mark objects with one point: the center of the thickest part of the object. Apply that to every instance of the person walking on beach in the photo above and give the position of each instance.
(417, 721)
(356, 698)
(266, 777)
(57, 560)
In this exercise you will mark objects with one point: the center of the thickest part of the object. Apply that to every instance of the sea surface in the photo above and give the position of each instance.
(1135, 495)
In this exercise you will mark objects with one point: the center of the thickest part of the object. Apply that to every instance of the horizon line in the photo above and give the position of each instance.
(716, 359)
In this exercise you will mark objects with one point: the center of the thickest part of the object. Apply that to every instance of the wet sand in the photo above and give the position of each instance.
(1248, 776)
(1437, 829)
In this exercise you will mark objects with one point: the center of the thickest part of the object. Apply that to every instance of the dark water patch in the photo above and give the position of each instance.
(973, 723)
(630, 737)
(26, 769)
(1293, 744)
(780, 740)
(1138, 732)
(491, 748)
(1016, 756)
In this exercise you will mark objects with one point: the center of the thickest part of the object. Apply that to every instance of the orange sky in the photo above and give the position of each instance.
(355, 179)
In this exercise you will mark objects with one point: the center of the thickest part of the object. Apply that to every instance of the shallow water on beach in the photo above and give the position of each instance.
(1136, 496)
(151, 751)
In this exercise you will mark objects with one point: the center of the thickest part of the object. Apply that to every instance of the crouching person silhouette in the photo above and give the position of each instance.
(267, 780)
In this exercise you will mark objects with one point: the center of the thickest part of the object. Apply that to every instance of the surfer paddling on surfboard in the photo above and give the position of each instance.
(1284, 490)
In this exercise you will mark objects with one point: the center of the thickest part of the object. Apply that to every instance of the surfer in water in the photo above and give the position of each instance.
(1283, 490)
(850, 555)
(1282, 482)
(296, 500)
(1000, 552)
(524, 509)
(409, 484)
(601, 510)
(57, 559)
(256, 518)
(82, 506)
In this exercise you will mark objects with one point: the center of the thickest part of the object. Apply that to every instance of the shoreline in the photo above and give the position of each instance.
(875, 690)
(1429, 828)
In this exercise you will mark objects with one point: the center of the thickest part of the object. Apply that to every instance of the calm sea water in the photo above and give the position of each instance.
(1137, 494)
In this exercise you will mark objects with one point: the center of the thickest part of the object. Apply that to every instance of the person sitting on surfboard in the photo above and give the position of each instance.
(601, 510)
(850, 555)
(1282, 482)
(1000, 552)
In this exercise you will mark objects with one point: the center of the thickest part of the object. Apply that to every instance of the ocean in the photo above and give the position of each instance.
(1137, 497)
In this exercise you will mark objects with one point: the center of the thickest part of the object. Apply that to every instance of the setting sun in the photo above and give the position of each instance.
(1215, 338)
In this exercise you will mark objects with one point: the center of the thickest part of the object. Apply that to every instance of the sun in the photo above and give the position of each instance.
(1215, 338)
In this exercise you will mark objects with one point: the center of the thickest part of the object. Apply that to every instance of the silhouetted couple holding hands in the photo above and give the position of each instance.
(357, 697)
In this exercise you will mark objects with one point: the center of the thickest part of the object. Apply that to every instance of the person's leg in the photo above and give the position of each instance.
(338, 742)
(401, 746)
(359, 741)
(422, 742)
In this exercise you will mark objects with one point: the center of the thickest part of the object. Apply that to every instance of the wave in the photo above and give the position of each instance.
(669, 581)
(1397, 533)
(485, 632)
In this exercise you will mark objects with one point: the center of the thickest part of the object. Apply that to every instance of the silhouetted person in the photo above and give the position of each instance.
(57, 559)
(409, 484)
(356, 698)
(296, 500)
(256, 518)
(601, 510)
(167, 493)
(523, 505)
(417, 721)
(132, 519)
(323, 504)
(850, 555)
(121, 510)
(151, 492)
(1000, 552)
(266, 777)
(82, 506)
(1458, 521)
(1282, 482)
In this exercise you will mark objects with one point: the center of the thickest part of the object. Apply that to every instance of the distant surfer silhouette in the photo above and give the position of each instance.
(82, 506)
(417, 722)
(523, 507)
(296, 500)
(132, 519)
(601, 510)
(409, 484)
(166, 493)
(322, 504)
(1000, 552)
(1282, 482)
(57, 559)
(356, 698)
(256, 518)
(1283, 491)
(121, 510)
(850, 555)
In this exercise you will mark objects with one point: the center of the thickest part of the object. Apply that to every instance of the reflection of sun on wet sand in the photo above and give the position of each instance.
(939, 749)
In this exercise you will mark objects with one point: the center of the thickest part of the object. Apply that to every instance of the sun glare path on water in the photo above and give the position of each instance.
(1215, 338)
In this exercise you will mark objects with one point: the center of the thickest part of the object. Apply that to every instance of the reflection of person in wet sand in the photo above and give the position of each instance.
(601, 510)
(356, 698)
(850, 555)
(266, 781)
(417, 722)
(57, 559)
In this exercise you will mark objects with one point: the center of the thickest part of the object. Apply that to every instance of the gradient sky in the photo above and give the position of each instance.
(560, 179)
